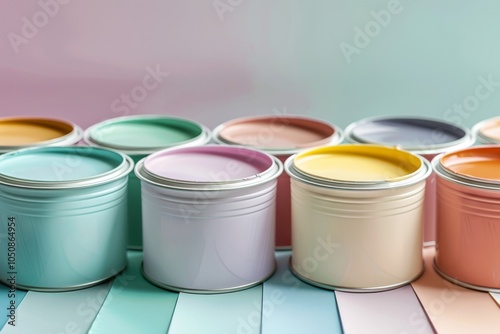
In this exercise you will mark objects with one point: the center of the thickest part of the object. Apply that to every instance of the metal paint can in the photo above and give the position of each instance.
(468, 217)
(139, 136)
(208, 217)
(357, 216)
(62, 217)
(280, 136)
(31, 131)
(424, 136)
(487, 131)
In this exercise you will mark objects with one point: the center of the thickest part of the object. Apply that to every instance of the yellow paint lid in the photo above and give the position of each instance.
(357, 163)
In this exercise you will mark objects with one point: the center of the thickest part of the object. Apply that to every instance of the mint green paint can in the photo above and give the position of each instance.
(62, 217)
(139, 136)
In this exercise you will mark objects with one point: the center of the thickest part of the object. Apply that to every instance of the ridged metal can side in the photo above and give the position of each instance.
(280, 136)
(63, 212)
(139, 136)
(209, 236)
(357, 236)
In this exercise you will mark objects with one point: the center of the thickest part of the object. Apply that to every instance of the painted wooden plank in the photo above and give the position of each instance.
(133, 305)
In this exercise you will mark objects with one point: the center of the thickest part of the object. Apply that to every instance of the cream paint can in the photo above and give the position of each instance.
(62, 217)
(357, 216)
(280, 136)
(468, 217)
(208, 217)
(139, 136)
(425, 136)
(19, 132)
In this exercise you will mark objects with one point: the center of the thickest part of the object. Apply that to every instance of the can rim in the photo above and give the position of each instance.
(420, 175)
(481, 137)
(272, 173)
(336, 138)
(203, 138)
(124, 168)
(441, 273)
(467, 140)
(70, 138)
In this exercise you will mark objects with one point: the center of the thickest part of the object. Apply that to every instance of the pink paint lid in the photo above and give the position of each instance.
(209, 164)
(277, 132)
(480, 163)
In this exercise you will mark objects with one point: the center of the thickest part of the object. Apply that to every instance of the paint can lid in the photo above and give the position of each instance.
(278, 134)
(146, 134)
(419, 135)
(209, 166)
(62, 167)
(33, 131)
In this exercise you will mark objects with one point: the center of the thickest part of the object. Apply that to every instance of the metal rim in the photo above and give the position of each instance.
(203, 138)
(205, 291)
(347, 289)
(69, 139)
(337, 137)
(461, 283)
(465, 141)
(273, 173)
(424, 172)
(122, 170)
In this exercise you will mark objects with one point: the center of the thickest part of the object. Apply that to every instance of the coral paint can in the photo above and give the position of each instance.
(487, 131)
(280, 136)
(427, 137)
(208, 217)
(63, 211)
(32, 131)
(357, 216)
(139, 136)
(468, 217)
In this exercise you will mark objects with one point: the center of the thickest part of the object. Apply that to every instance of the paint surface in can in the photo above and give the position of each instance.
(212, 228)
(488, 131)
(19, 132)
(67, 206)
(468, 217)
(354, 235)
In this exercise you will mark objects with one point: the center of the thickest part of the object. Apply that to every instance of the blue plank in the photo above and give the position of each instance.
(292, 306)
(133, 305)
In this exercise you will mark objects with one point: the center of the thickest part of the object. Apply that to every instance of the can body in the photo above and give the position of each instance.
(208, 219)
(468, 223)
(139, 136)
(63, 235)
(281, 136)
(361, 235)
(427, 137)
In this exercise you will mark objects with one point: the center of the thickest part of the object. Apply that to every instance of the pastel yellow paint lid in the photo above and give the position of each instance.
(357, 163)
(20, 132)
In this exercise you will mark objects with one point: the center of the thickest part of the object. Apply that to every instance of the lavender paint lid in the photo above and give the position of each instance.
(415, 134)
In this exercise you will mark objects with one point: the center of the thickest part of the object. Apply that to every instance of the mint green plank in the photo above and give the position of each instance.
(6, 295)
(58, 312)
(292, 306)
(134, 305)
(228, 313)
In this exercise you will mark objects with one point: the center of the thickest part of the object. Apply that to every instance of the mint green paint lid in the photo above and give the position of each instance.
(146, 133)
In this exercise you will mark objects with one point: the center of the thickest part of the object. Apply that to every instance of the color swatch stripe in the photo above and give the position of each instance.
(133, 305)
(292, 306)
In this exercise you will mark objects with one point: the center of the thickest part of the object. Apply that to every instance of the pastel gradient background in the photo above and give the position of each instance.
(229, 58)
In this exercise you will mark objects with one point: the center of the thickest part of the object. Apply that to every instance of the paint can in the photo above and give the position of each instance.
(139, 136)
(487, 131)
(468, 217)
(357, 216)
(208, 217)
(19, 132)
(280, 136)
(424, 136)
(62, 217)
